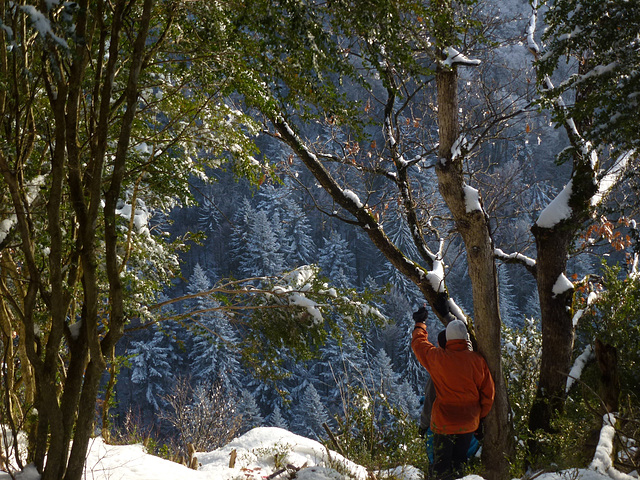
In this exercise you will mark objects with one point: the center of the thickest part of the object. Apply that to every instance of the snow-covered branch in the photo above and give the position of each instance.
(610, 179)
(578, 366)
(528, 262)
(454, 57)
(296, 289)
(531, 29)
(603, 458)
(558, 210)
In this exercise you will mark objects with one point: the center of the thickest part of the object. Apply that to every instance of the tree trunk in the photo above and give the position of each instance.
(473, 226)
(557, 327)
(609, 391)
(552, 244)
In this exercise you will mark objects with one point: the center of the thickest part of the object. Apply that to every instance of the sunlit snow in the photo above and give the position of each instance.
(471, 198)
(562, 285)
(255, 459)
(557, 210)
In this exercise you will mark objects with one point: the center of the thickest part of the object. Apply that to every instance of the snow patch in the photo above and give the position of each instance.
(436, 276)
(140, 216)
(75, 329)
(353, 197)
(300, 276)
(471, 199)
(531, 29)
(456, 148)
(456, 310)
(299, 451)
(514, 256)
(41, 23)
(454, 57)
(301, 300)
(612, 177)
(558, 210)
(602, 459)
(562, 285)
(32, 189)
(578, 366)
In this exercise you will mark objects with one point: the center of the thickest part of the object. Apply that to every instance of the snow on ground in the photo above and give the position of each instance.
(257, 453)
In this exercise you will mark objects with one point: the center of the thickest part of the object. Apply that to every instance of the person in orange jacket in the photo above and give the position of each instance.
(464, 392)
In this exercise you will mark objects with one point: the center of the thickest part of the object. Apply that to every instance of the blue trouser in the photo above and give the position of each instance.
(450, 454)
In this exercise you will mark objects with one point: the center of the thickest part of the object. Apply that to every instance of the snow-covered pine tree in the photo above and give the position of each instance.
(302, 247)
(249, 411)
(405, 361)
(213, 339)
(152, 367)
(337, 261)
(309, 414)
(203, 352)
(384, 382)
(342, 365)
(276, 419)
(296, 243)
(255, 242)
(240, 234)
(532, 307)
(509, 310)
(398, 231)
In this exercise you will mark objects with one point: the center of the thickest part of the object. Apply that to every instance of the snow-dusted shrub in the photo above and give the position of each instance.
(204, 416)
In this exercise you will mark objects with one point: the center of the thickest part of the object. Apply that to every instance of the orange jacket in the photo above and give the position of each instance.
(464, 387)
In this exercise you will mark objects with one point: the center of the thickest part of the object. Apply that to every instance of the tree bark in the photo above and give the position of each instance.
(473, 226)
(552, 244)
(607, 356)
(557, 327)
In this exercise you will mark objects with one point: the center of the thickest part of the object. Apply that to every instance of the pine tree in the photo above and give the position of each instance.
(208, 216)
(342, 365)
(414, 374)
(256, 243)
(509, 310)
(203, 352)
(249, 411)
(212, 354)
(152, 367)
(241, 233)
(398, 231)
(532, 308)
(336, 260)
(299, 231)
(310, 414)
(383, 381)
(277, 420)
(294, 230)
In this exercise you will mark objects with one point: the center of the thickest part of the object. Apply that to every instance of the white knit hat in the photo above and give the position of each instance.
(457, 330)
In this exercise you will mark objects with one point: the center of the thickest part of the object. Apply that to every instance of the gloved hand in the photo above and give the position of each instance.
(479, 433)
(420, 316)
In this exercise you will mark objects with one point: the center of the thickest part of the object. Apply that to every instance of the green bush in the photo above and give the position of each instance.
(374, 434)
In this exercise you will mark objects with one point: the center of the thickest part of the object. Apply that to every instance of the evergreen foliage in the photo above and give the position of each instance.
(509, 310)
(249, 411)
(600, 40)
(276, 419)
(309, 414)
(336, 260)
(614, 319)
(153, 364)
(213, 353)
